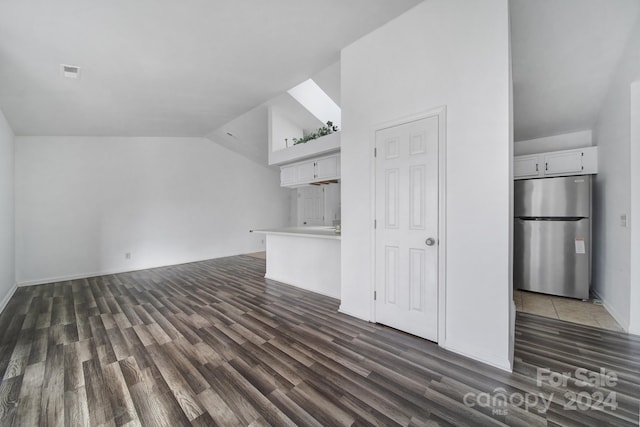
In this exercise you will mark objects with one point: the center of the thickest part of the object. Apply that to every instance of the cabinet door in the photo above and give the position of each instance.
(288, 175)
(311, 205)
(306, 172)
(526, 166)
(328, 168)
(563, 163)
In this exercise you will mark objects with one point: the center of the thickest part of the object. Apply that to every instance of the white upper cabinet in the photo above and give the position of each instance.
(327, 167)
(526, 166)
(306, 172)
(288, 175)
(563, 163)
(316, 170)
(581, 161)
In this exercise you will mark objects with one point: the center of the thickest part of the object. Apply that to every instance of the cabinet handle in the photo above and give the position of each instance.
(546, 166)
(537, 167)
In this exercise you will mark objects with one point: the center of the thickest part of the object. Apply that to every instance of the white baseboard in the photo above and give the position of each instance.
(57, 279)
(112, 271)
(504, 365)
(266, 276)
(512, 332)
(612, 311)
(352, 314)
(7, 297)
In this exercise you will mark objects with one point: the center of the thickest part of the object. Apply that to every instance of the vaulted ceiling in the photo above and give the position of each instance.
(191, 68)
(564, 53)
(161, 67)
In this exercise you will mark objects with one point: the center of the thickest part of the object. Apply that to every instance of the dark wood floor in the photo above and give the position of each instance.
(214, 343)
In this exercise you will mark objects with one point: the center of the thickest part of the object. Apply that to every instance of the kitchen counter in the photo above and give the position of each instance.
(321, 232)
(305, 257)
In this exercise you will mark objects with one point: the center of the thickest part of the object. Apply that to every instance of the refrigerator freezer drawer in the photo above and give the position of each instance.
(552, 257)
(553, 197)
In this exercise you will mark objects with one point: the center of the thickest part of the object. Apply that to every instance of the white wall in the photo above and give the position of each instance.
(512, 308)
(451, 53)
(329, 80)
(305, 262)
(83, 202)
(634, 299)
(281, 128)
(7, 264)
(612, 188)
(565, 141)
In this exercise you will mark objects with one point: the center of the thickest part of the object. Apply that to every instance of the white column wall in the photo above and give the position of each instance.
(7, 235)
(634, 299)
(612, 268)
(451, 53)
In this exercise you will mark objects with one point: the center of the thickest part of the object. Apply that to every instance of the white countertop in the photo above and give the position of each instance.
(320, 232)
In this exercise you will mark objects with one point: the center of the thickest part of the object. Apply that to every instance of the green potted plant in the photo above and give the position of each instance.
(321, 131)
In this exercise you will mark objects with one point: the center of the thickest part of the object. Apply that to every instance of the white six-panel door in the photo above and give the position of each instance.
(311, 205)
(406, 234)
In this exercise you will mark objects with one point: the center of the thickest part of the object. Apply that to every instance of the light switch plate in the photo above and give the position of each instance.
(623, 220)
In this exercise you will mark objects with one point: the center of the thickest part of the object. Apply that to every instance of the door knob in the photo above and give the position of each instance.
(430, 241)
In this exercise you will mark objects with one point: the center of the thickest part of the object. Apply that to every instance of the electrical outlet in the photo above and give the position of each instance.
(623, 220)
(127, 255)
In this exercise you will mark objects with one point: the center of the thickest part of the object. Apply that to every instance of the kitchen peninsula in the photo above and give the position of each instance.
(305, 257)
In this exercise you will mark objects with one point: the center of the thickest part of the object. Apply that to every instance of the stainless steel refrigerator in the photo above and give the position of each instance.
(552, 236)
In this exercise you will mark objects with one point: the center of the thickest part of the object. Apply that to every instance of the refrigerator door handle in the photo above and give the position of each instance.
(551, 218)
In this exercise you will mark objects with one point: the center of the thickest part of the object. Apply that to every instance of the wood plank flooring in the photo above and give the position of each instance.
(214, 343)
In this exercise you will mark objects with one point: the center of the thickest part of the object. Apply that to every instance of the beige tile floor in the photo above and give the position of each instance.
(261, 255)
(569, 309)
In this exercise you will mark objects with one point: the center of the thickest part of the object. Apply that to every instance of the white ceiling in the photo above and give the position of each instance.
(249, 131)
(564, 53)
(165, 68)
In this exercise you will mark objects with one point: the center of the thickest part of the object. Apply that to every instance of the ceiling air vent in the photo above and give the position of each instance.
(70, 71)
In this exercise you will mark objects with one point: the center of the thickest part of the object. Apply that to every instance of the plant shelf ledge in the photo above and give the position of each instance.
(323, 145)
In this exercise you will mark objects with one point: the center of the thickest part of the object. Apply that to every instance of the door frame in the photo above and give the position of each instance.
(440, 113)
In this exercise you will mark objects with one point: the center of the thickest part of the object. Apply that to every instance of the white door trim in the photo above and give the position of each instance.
(439, 112)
